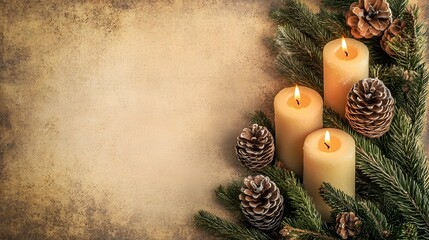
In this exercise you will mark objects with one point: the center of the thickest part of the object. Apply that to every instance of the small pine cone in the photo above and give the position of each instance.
(370, 107)
(255, 147)
(261, 202)
(395, 29)
(368, 18)
(348, 225)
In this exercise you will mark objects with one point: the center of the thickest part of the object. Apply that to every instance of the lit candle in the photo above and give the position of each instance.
(345, 62)
(329, 156)
(298, 112)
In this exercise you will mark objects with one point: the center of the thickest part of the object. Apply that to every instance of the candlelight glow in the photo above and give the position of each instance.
(344, 46)
(297, 94)
(327, 139)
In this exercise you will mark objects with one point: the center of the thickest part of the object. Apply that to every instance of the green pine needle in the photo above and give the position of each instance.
(228, 195)
(222, 228)
(262, 119)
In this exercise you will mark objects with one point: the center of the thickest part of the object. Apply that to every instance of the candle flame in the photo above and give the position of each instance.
(344, 46)
(327, 139)
(297, 95)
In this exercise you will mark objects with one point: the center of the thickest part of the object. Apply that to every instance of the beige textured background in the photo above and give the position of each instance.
(118, 118)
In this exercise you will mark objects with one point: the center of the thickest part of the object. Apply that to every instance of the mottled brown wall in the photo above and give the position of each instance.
(117, 118)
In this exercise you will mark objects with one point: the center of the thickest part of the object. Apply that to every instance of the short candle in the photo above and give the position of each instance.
(329, 156)
(298, 112)
(345, 62)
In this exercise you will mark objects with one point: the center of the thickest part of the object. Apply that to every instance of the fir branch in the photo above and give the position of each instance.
(407, 232)
(293, 69)
(342, 5)
(335, 23)
(300, 16)
(375, 222)
(305, 215)
(262, 119)
(398, 7)
(228, 195)
(222, 228)
(301, 48)
(409, 49)
(411, 202)
(406, 149)
(291, 232)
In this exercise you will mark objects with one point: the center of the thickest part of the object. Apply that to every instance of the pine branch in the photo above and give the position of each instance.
(301, 48)
(375, 222)
(291, 232)
(335, 23)
(407, 232)
(305, 215)
(406, 149)
(411, 202)
(222, 228)
(398, 7)
(262, 119)
(229, 196)
(300, 16)
(298, 73)
(409, 49)
(342, 5)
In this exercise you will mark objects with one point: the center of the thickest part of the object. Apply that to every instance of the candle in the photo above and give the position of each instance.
(329, 156)
(345, 62)
(298, 112)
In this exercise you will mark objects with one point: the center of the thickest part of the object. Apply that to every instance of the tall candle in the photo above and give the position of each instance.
(298, 112)
(329, 156)
(345, 62)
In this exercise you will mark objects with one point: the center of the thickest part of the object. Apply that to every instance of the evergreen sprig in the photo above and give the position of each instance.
(305, 215)
(225, 229)
(262, 119)
(300, 16)
(341, 5)
(228, 195)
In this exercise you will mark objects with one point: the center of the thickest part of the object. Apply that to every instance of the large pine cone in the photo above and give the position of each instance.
(255, 147)
(395, 29)
(370, 107)
(348, 225)
(368, 18)
(261, 202)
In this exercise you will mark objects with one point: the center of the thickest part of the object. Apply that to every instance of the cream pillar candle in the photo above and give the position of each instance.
(345, 62)
(298, 112)
(329, 156)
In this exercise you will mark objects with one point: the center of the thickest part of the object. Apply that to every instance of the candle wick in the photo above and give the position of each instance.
(347, 54)
(297, 101)
(327, 145)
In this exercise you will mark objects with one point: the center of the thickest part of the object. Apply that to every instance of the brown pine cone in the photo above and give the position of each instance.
(394, 30)
(368, 18)
(370, 107)
(255, 147)
(261, 202)
(348, 225)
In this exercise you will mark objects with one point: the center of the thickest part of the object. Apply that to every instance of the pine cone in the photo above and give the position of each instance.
(370, 107)
(395, 29)
(255, 147)
(368, 18)
(261, 202)
(348, 225)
